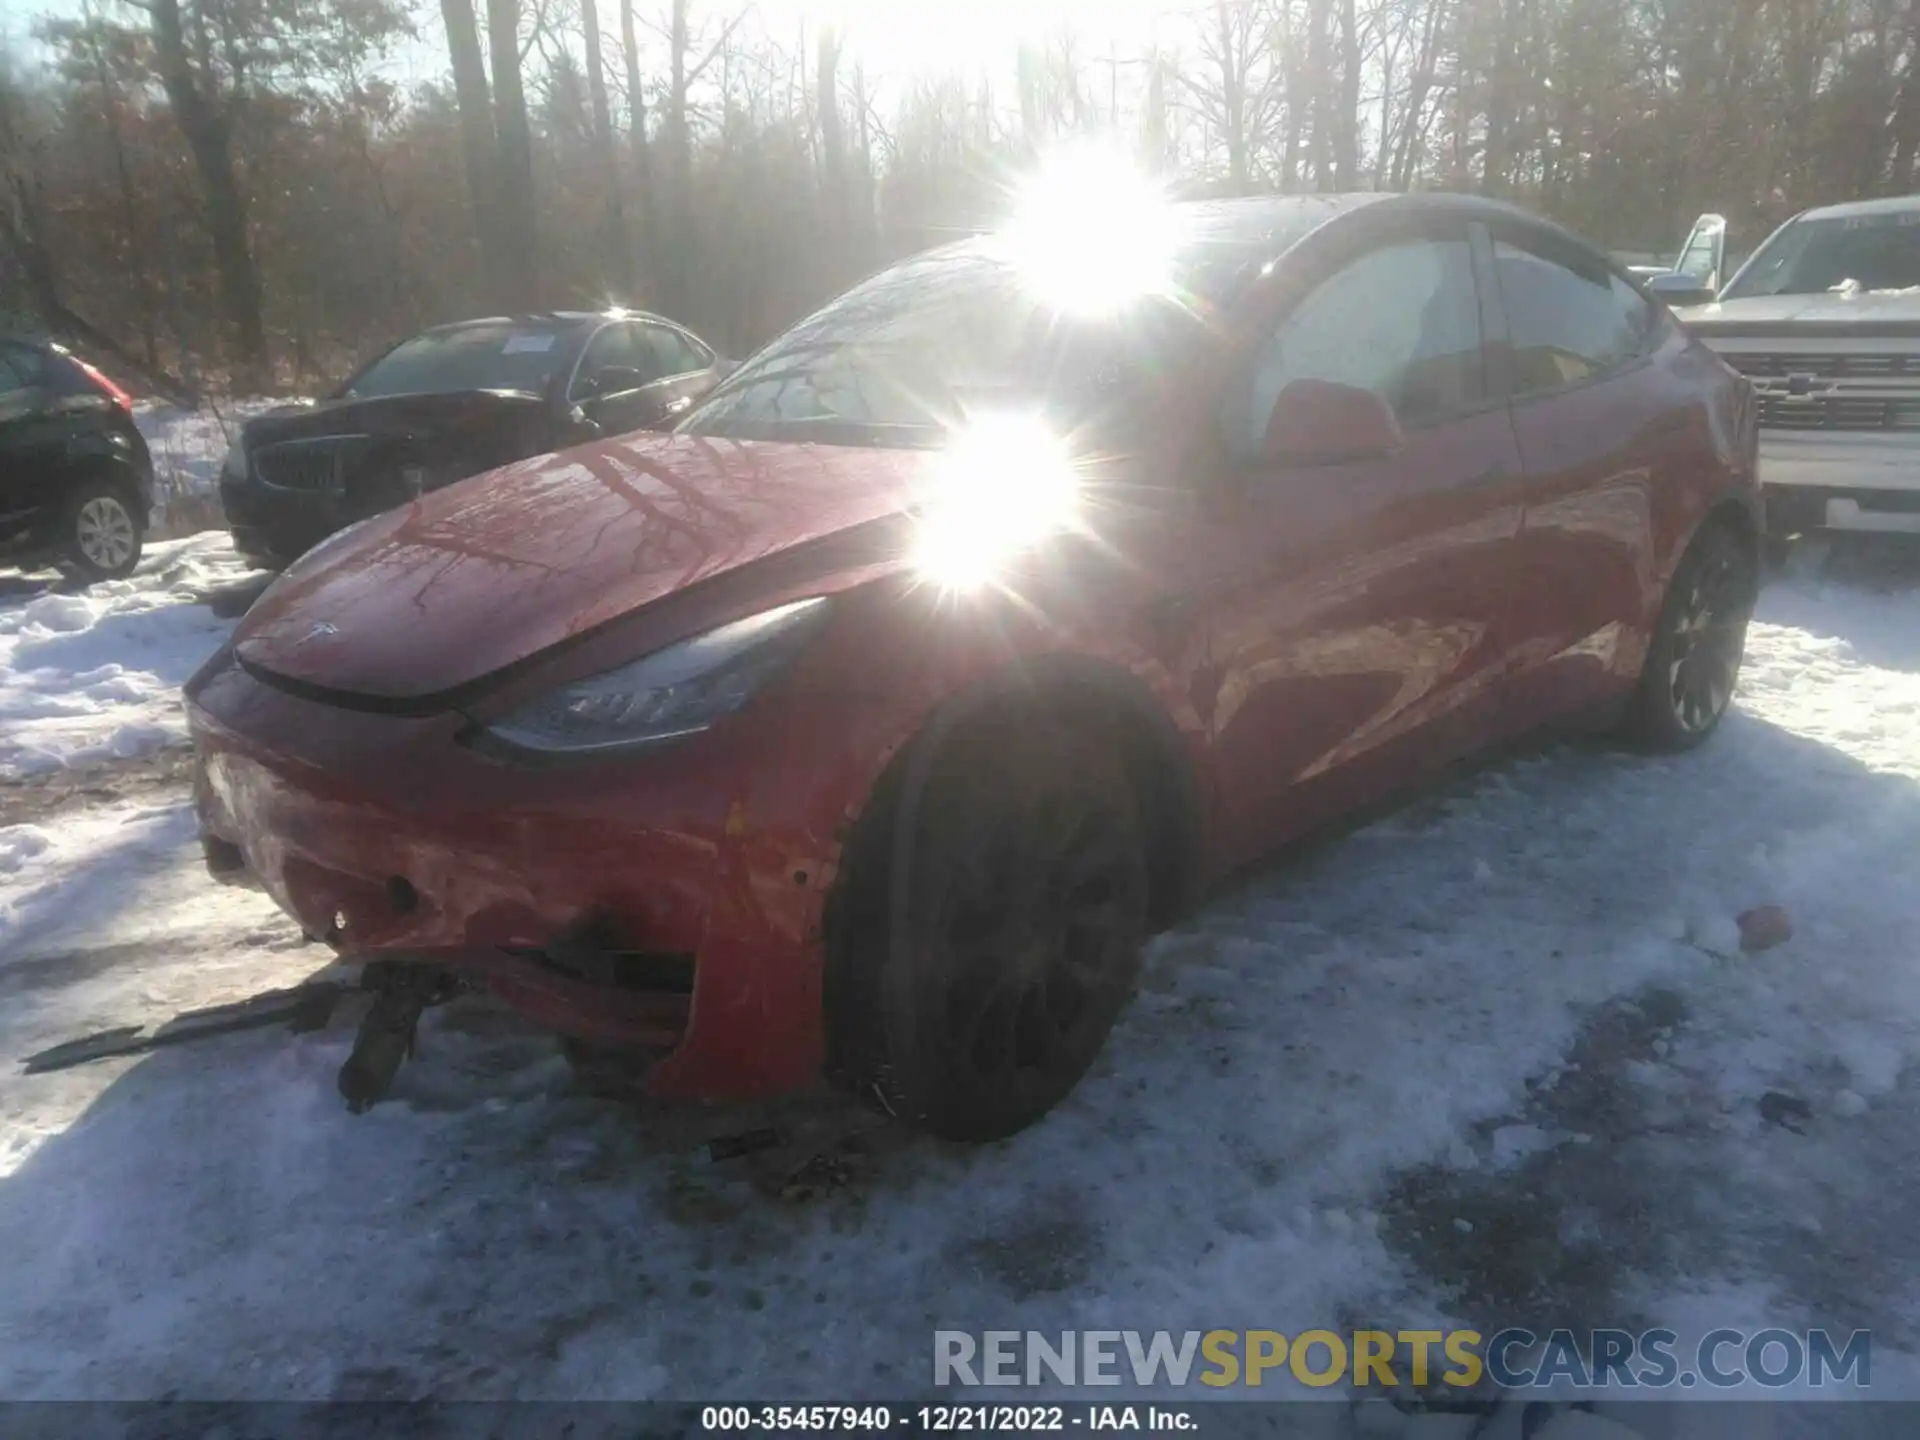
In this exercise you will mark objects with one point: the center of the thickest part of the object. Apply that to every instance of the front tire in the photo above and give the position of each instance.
(1693, 664)
(101, 536)
(1018, 909)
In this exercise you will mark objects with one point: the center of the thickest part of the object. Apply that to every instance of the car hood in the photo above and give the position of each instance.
(452, 589)
(1868, 313)
(429, 413)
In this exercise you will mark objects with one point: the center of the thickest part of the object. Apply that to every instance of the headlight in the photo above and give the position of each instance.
(676, 691)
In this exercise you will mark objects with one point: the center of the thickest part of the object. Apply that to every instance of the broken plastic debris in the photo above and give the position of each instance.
(121, 1041)
(820, 1176)
(1764, 927)
(732, 1147)
(303, 1007)
(1789, 1112)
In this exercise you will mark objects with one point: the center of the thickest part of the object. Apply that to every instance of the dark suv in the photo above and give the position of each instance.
(76, 481)
(449, 403)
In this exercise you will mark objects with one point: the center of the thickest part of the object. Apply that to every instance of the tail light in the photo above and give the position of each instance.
(113, 391)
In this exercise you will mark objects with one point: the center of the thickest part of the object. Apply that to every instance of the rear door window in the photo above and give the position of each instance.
(674, 353)
(1570, 317)
(616, 344)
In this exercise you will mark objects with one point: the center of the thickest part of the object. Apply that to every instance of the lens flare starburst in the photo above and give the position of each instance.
(1090, 233)
(1003, 483)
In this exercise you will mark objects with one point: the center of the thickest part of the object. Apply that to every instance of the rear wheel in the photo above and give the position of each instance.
(1016, 940)
(1693, 663)
(102, 534)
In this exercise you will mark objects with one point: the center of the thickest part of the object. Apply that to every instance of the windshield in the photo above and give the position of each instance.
(492, 355)
(1808, 257)
(901, 357)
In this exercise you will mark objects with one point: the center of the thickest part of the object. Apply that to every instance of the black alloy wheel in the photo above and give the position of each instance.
(1025, 915)
(1693, 664)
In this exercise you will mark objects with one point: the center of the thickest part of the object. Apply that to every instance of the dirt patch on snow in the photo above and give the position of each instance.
(151, 779)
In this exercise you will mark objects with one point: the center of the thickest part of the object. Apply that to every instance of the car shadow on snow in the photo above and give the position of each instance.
(112, 877)
(1839, 587)
(1707, 1128)
(209, 1221)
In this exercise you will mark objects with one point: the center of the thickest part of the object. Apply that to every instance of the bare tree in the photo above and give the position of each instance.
(477, 145)
(638, 148)
(619, 252)
(1237, 90)
(513, 189)
(308, 212)
(205, 118)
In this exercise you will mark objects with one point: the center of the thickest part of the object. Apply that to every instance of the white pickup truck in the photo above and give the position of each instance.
(1824, 318)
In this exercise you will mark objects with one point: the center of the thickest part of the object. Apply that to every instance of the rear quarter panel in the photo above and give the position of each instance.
(1713, 462)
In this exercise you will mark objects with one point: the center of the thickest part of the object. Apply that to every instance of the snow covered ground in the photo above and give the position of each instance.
(1494, 1059)
(97, 674)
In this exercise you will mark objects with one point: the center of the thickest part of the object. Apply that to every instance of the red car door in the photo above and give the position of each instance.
(1356, 613)
(1599, 418)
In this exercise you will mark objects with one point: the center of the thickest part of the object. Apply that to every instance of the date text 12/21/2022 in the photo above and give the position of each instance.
(943, 1419)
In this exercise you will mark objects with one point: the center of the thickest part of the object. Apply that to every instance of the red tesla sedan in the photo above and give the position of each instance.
(865, 725)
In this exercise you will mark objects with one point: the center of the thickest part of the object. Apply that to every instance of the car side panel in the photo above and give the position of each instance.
(1618, 473)
(1359, 607)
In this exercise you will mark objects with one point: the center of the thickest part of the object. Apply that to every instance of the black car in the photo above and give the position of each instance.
(449, 403)
(76, 481)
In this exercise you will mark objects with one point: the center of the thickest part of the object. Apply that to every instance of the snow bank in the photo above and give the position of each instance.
(96, 675)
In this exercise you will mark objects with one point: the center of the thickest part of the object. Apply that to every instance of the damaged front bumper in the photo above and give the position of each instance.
(623, 904)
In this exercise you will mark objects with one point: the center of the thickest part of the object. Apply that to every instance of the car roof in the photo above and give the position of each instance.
(1233, 236)
(1251, 218)
(551, 319)
(1248, 221)
(1890, 205)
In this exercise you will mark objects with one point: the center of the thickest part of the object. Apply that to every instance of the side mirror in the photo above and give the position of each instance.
(1679, 290)
(1322, 422)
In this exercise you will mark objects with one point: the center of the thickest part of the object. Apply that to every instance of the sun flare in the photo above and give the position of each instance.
(1003, 483)
(1090, 232)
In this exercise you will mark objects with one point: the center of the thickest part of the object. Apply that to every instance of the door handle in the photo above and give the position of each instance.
(685, 402)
